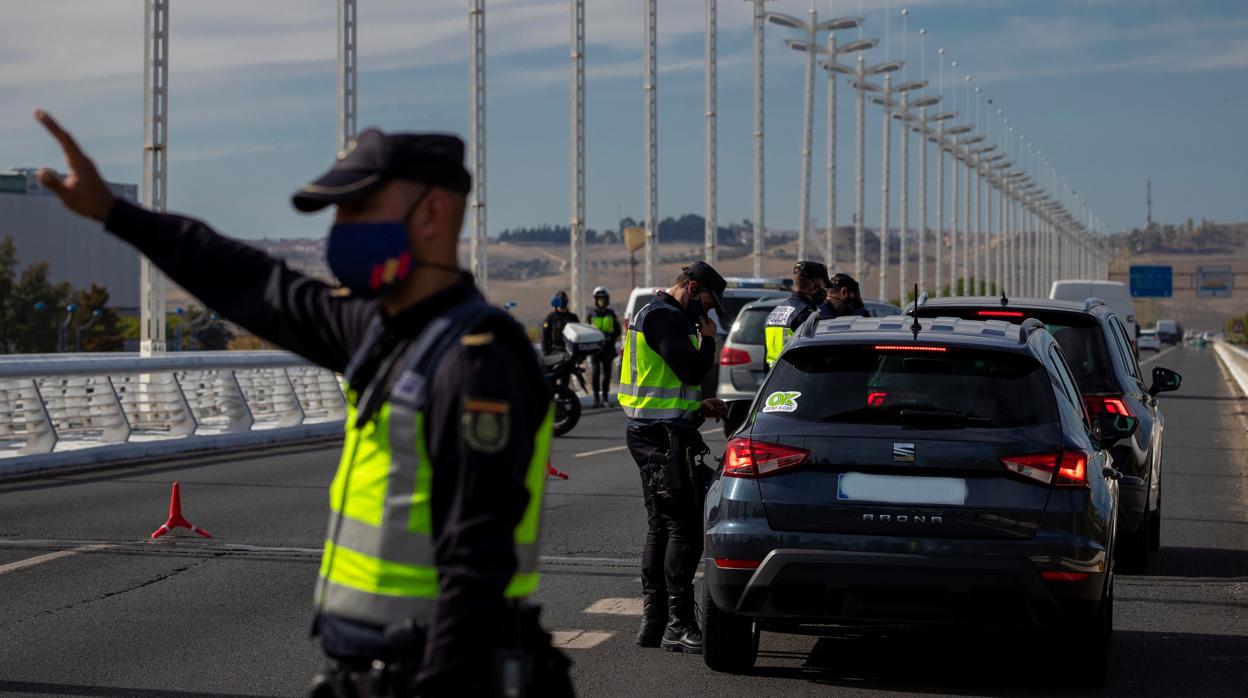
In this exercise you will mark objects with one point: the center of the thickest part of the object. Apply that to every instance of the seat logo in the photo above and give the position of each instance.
(903, 452)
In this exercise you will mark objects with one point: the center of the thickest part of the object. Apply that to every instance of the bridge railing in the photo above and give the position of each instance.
(68, 402)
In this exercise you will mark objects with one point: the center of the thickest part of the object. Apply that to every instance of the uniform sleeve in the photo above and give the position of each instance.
(799, 317)
(668, 334)
(246, 286)
(481, 442)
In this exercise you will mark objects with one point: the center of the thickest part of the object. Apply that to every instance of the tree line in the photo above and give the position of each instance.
(687, 228)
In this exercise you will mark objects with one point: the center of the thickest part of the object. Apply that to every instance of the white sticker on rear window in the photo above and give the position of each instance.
(782, 401)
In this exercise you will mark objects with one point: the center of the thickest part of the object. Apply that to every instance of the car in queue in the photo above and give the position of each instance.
(926, 473)
(1097, 346)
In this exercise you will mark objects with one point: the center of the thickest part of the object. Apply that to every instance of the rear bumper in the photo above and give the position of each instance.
(802, 586)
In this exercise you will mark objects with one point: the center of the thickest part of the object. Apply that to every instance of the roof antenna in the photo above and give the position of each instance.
(1004, 301)
(914, 313)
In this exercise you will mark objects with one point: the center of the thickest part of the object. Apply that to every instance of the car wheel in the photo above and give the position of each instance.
(729, 641)
(1133, 548)
(1092, 640)
(1154, 526)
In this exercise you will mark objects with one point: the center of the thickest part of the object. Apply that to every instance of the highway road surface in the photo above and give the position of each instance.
(90, 607)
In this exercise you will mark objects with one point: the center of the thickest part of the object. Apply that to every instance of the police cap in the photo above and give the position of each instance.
(429, 158)
(812, 270)
(843, 280)
(709, 280)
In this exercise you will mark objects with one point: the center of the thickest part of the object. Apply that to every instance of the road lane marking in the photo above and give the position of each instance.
(616, 607)
(48, 557)
(578, 639)
(600, 451)
(613, 449)
(1159, 354)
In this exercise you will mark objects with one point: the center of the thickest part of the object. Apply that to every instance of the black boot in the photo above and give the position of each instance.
(653, 620)
(682, 633)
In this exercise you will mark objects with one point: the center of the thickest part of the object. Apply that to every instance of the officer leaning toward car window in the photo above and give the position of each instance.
(810, 281)
(552, 326)
(844, 297)
(668, 350)
(435, 507)
(605, 319)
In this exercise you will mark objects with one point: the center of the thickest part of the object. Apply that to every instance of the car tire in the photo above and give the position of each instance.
(1131, 556)
(1154, 526)
(1092, 642)
(729, 641)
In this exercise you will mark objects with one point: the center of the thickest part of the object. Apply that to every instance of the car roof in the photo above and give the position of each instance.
(938, 331)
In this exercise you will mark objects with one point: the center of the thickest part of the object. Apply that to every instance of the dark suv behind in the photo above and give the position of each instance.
(1097, 347)
(948, 478)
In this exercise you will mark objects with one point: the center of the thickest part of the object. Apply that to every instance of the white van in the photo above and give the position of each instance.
(1115, 293)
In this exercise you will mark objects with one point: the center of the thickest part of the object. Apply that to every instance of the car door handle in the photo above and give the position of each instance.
(1111, 473)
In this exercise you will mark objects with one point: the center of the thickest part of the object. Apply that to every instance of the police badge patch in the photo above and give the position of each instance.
(486, 425)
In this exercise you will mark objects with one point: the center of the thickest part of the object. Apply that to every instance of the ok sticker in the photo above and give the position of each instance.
(782, 401)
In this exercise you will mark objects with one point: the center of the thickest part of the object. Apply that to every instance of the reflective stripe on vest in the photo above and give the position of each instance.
(649, 389)
(378, 565)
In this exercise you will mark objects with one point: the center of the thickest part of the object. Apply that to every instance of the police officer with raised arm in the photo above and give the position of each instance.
(810, 279)
(668, 350)
(435, 508)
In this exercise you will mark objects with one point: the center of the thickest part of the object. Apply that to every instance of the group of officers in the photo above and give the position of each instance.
(432, 546)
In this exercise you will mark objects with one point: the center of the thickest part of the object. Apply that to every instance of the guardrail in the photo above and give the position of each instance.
(1235, 359)
(62, 408)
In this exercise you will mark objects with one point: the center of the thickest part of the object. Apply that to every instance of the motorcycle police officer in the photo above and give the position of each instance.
(436, 504)
(604, 319)
(668, 350)
(552, 327)
(810, 280)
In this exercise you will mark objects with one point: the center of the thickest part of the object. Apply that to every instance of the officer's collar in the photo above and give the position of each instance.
(413, 318)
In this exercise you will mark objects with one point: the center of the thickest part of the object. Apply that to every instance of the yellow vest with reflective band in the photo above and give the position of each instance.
(378, 564)
(605, 323)
(649, 388)
(777, 330)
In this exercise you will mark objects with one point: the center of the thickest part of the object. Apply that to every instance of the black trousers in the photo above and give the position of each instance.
(674, 530)
(600, 378)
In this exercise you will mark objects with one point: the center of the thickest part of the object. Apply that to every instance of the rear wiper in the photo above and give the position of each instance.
(929, 415)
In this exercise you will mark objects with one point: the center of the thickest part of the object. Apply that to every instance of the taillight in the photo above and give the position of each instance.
(733, 357)
(749, 458)
(1107, 405)
(1063, 469)
(1064, 576)
(1000, 313)
(876, 398)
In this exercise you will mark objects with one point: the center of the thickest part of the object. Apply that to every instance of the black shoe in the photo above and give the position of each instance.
(653, 620)
(682, 633)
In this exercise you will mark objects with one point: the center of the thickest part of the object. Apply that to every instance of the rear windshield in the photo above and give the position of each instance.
(1079, 335)
(750, 326)
(929, 389)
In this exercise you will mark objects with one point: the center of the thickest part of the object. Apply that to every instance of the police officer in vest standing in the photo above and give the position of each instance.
(435, 507)
(605, 319)
(810, 279)
(668, 350)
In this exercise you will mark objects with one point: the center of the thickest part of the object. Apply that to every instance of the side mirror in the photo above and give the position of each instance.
(1112, 428)
(1164, 381)
(738, 410)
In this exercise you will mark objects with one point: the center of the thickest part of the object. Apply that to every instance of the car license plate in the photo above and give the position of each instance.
(900, 489)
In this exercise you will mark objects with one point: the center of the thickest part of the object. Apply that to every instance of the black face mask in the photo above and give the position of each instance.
(818, 295)
(694, 306)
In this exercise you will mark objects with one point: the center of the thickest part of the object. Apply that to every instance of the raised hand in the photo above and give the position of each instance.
(83, 190)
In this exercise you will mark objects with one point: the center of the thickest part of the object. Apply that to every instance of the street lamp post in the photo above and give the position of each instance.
(811, 28)
(760, 225)
(902, 112)
(478, 240)
(862, 86)
(651, 129)
(62, 332)
(712, 134)
(577, 159)
(834, 68)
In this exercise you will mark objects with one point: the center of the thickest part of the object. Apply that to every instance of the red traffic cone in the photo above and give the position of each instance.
(550, 470)
(176, 520)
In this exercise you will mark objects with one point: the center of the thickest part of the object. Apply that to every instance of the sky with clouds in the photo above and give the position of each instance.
(1111, 91)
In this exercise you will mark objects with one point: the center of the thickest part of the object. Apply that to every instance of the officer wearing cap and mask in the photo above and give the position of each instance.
(810, 280)
(668, 350)
(435, 508)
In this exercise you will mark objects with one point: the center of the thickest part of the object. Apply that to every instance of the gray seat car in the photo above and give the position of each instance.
(742, 358)
(944, 475)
